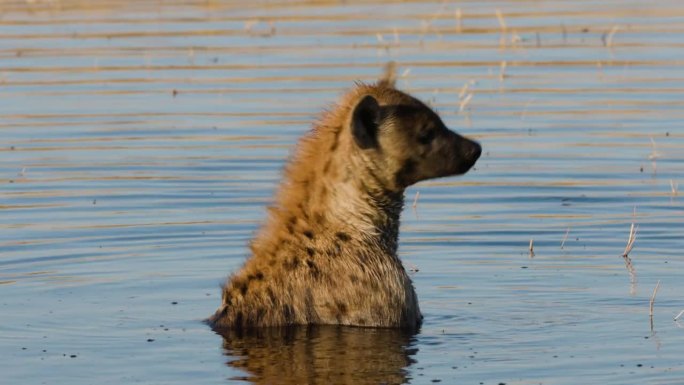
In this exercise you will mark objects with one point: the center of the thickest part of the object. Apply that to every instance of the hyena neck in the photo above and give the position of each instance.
(370, 213)
(339, 192)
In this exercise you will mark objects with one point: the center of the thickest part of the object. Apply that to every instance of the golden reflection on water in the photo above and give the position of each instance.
(320, 355)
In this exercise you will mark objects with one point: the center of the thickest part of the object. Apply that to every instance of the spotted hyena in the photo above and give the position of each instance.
(328, 252)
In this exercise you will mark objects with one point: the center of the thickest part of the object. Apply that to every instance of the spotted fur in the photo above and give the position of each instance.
(327, 254)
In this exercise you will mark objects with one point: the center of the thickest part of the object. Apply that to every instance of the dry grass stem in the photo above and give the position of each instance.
(502, 25)
(628, 261)
(565, 238)
(531, 248)
(464, 102)
(463, 91)
(675, 187)
(650, 305)
(502, 71)
(608, 37)
(654, 155)
(678, 316)
(502, 21)
(415, 200)
(630, 241)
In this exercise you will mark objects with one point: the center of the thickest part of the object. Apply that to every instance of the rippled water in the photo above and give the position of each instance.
(141, 142)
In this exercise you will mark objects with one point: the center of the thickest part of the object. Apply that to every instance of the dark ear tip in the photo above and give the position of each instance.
(368, 101)
(368, 110)
(365, 121)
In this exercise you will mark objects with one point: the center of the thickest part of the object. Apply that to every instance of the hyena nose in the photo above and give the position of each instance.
(473, 151)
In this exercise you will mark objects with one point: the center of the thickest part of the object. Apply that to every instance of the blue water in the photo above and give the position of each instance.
(123, 207)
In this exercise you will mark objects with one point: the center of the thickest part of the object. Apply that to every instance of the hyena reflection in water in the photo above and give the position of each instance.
(320, 355)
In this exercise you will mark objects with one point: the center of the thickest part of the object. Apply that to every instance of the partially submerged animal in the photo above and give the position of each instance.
(328, 252)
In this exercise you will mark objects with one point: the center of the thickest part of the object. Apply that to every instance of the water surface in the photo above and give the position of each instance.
(142, 140)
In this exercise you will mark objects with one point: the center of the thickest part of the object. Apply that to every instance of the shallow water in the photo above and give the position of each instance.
(141, 142)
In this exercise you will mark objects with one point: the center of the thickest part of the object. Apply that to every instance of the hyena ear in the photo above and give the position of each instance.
(365, 122)
(389, 76)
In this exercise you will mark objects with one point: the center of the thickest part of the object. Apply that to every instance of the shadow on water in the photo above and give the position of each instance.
(320, 355)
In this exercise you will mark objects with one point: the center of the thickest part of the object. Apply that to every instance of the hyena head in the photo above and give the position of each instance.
(405, 140)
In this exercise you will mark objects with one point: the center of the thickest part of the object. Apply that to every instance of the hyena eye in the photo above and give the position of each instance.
(426, 137)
